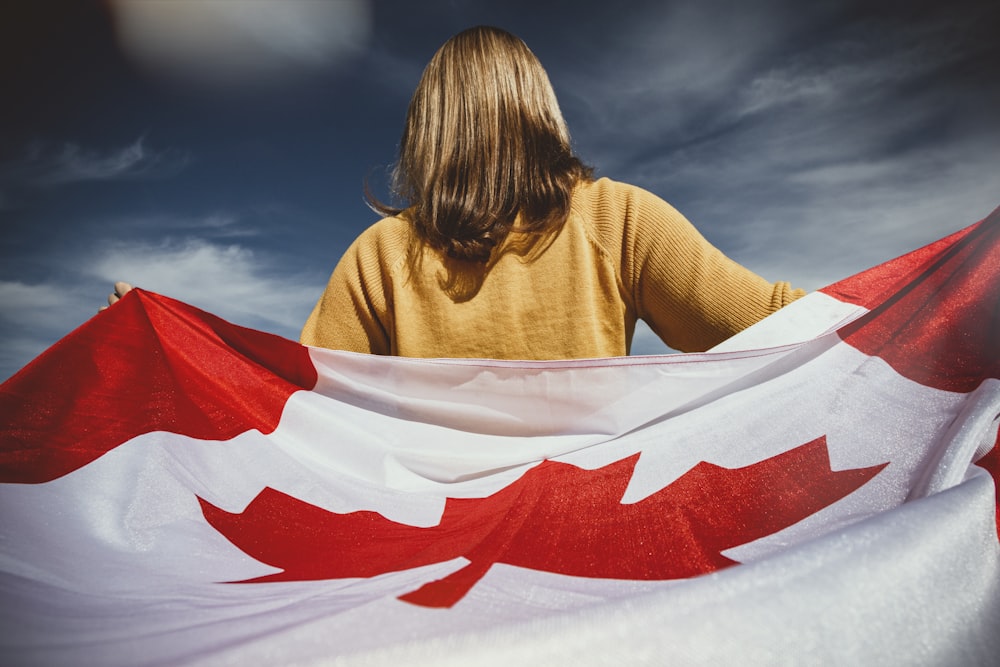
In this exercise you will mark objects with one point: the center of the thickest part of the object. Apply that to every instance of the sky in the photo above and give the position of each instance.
(218, 152)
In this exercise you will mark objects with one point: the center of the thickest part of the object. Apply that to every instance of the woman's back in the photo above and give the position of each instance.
(575, 292)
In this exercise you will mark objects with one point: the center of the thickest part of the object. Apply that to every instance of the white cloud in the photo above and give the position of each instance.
(231, 281)
(42, 305)
(250, 288)
(33, 316)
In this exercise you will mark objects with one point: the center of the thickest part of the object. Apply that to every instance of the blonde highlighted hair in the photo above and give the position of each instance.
(484, 143)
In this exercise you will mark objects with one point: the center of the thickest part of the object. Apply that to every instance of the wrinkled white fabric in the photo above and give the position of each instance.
(114, 563)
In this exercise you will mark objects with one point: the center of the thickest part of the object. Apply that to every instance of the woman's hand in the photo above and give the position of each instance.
(121, 289)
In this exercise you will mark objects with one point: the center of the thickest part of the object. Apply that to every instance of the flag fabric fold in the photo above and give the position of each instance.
(820, 489)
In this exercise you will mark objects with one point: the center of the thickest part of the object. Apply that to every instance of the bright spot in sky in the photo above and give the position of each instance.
(253, 42)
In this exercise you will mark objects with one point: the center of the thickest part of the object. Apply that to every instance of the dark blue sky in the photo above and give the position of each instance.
(220, 158)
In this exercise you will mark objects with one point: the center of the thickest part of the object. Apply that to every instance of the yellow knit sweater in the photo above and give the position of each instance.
(622, 254)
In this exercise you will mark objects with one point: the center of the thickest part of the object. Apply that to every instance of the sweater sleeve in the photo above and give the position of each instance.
(688, 291)
(353, 313)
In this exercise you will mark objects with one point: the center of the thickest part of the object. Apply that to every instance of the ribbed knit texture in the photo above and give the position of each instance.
(622, 254)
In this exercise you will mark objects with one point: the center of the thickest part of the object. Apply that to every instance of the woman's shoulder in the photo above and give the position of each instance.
(383, 247)
(388, 236)
(605, 193)
(610, 206)
(617, 215)
(619, 201)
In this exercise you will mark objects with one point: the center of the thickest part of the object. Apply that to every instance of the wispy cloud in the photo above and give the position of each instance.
(247, 286)
(38, 303)
(673, 71)
(33, 316)
(865, 63)
(47, 165)
(216, 225)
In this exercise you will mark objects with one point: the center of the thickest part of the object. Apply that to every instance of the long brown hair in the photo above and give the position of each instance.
(484, 142)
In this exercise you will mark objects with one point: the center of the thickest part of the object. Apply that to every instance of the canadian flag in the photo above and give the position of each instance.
(820, 489)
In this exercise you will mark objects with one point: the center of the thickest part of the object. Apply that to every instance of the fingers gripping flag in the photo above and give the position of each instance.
(821, 488)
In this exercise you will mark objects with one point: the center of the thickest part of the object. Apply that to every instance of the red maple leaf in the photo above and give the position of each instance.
(556, 518)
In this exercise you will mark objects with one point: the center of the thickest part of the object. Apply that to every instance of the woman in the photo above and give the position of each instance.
(507, 248)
